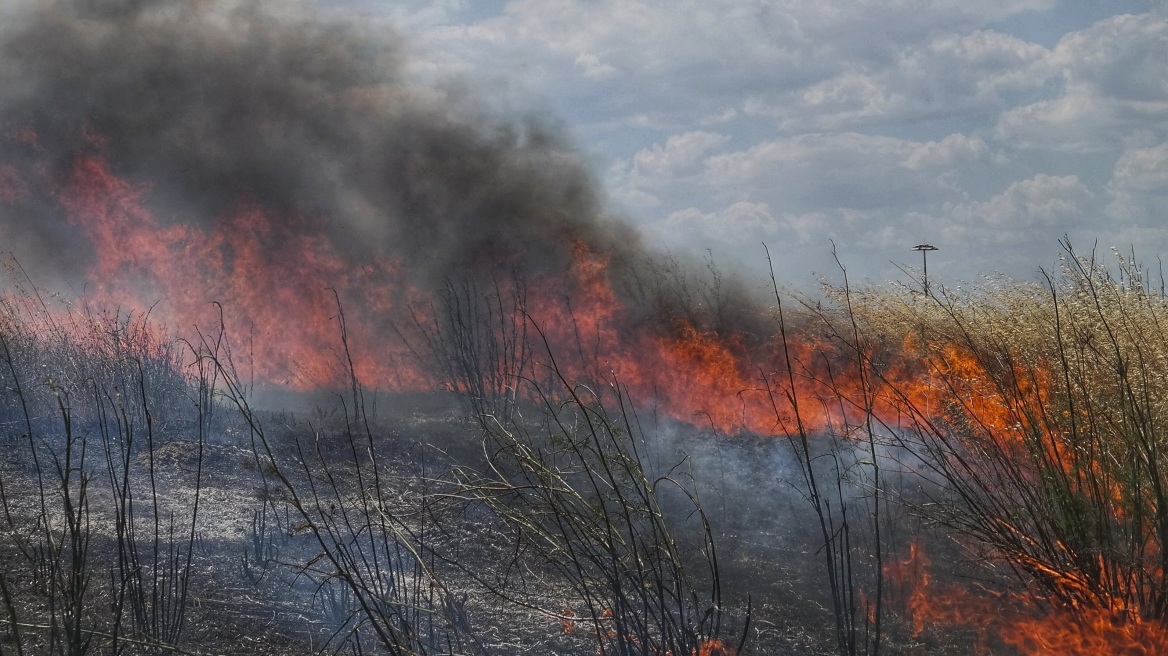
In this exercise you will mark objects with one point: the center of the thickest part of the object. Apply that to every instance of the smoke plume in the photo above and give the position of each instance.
(216, 105)
(171, 154)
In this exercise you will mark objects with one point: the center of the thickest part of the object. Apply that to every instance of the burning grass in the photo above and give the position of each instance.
(1018, 423)
(1040, 410)
(110, 548)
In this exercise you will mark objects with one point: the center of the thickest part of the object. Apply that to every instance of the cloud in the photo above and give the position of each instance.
(692, 56)
(1005, 228)
(1113, 81)
(845, 170)
(593, 67)
(736, 234)
(873, 122)
(659, 166)
(953, 150)
(816, 66)
(1139, 185)
(1041, 201)
(946, 76)
(739, 222)
(859, 190)
(725, 116)
(680, 153)
(1123, 57)
(801, 242)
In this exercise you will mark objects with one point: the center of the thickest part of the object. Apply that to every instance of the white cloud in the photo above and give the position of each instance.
(953, 150)
(1041, 201)
(844, 170)
(1139, 185)
(877, 123)
(1114, 81)
(1123, 57)
(744, 225)
(680, 152)
(725, 116)
(692, 55)
(593, 67)
(659, 166)
(948, 75)
(741, 221)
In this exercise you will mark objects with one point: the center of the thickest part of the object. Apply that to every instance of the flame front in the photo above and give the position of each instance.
(1003, 619)
(275, 282)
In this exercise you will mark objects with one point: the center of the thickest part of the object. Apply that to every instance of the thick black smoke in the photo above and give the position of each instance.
(212, 103)
(209, 103)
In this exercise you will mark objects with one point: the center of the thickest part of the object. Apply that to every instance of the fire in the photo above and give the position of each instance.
(568, 622)
(272, 277)
(277, 278)
(279, 284)
(714, 648)
(1011, 620)
(279, 109)
(1094, 632)
(707, 647)
(286, 295)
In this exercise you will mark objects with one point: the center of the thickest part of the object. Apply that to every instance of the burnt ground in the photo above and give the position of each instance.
(256, 584)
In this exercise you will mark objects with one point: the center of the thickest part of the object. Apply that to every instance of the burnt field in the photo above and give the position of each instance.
(149, 509)
(245, 571)
(145, 512)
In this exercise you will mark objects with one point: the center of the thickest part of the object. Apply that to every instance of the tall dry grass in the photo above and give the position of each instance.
(1040, 412)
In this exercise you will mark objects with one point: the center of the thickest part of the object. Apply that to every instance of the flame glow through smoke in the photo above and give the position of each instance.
(271, 274)
(278, 281)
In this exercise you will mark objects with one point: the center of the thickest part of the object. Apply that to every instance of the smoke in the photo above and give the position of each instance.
(212, 105)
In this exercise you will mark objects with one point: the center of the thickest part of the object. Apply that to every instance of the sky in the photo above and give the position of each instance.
(989, 130)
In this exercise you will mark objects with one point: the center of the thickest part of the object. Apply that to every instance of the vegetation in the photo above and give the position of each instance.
(1040, 411)
(1022, 423)
(89, 399)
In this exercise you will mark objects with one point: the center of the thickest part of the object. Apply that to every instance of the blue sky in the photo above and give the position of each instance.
(988, 129)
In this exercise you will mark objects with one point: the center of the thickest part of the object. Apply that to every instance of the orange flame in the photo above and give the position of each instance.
(1009, 619)
(277, 279)
(270, 280)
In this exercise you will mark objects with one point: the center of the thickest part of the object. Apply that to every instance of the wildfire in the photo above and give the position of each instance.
(286, 295)
(707, 647)
(275, 281)
(343, 201)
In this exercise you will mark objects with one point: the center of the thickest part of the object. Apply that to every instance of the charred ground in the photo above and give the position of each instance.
(150, 508)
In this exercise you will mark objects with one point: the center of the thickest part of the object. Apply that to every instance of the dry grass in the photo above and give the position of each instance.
(1040, 411)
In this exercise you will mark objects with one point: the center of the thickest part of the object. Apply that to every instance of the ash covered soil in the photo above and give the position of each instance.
(258, 582)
